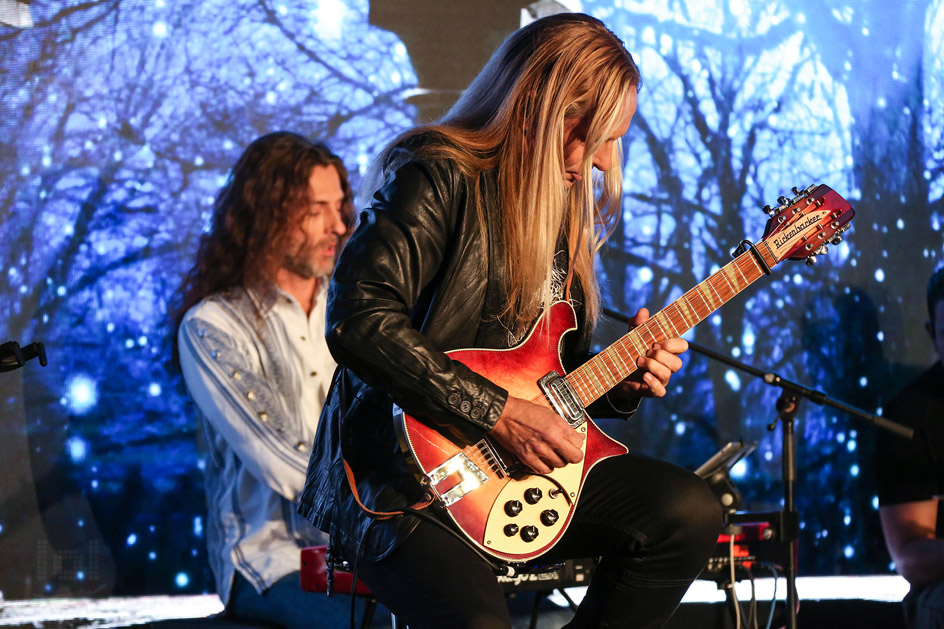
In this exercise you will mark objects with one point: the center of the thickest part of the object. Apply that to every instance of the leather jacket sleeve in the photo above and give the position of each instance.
(400, 297)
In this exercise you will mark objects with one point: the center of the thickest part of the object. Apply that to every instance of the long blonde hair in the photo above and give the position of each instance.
(511, 119)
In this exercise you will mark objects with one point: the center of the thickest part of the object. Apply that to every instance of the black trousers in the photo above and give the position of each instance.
(652, 523)
(924, 606)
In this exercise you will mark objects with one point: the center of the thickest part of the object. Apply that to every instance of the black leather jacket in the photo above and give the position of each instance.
(416, 279)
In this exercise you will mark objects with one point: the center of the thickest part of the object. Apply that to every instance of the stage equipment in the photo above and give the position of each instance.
(12, 356)
(717, 473)
(321, 572)
(785, 524)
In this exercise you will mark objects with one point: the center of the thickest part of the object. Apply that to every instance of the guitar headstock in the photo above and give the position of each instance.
(801, 227)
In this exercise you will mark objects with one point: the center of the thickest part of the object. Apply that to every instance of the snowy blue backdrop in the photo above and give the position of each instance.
(119, 120)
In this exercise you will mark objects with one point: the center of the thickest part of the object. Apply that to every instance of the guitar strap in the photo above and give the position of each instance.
(381, 515)
(339, 387)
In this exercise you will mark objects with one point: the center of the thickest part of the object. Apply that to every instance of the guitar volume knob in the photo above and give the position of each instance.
(513, 507)
(511, 530)
(529, 533)
(549, 517)
(532, 495)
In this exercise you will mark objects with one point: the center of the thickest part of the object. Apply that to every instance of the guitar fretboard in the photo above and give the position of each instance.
(611, 366)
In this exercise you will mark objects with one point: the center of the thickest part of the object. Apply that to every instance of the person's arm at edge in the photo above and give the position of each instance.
(909, 530)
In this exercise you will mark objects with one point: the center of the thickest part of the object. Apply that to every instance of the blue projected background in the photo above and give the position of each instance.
(119, 123)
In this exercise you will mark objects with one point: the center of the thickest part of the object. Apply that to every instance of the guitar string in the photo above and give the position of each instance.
(744, 266)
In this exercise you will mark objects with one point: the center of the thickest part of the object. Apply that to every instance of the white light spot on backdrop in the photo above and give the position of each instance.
(82, 394)
(77, 449)
(748, 340)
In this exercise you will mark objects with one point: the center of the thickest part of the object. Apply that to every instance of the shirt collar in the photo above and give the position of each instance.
(266, 299)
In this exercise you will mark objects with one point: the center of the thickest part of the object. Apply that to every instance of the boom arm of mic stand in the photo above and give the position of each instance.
(817, 397)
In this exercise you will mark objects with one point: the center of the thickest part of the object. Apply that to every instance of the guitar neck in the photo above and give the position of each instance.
(611, 366)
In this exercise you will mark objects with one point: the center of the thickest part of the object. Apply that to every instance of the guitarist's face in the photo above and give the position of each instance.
(575, 142)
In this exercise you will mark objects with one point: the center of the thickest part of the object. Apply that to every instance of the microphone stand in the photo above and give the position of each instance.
(787, 406)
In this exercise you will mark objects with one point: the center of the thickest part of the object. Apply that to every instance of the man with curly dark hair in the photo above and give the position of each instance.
(250, 340)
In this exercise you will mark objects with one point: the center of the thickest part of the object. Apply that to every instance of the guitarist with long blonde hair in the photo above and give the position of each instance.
(476, 228)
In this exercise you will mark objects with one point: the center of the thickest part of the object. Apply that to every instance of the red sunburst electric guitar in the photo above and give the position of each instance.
(505, 508)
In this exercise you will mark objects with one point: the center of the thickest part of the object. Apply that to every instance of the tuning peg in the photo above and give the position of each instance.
(782, 200)
(769, 211)
(821, 250)
(811, 260)
(835, 240)
(796, 191)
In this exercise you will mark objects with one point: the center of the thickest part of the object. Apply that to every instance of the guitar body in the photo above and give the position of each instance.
(471, 480)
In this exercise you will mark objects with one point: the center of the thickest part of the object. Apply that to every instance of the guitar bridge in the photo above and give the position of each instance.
(562, 397)
(467, 476)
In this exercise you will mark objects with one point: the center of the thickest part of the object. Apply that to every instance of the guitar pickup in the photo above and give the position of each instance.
(562, 397)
